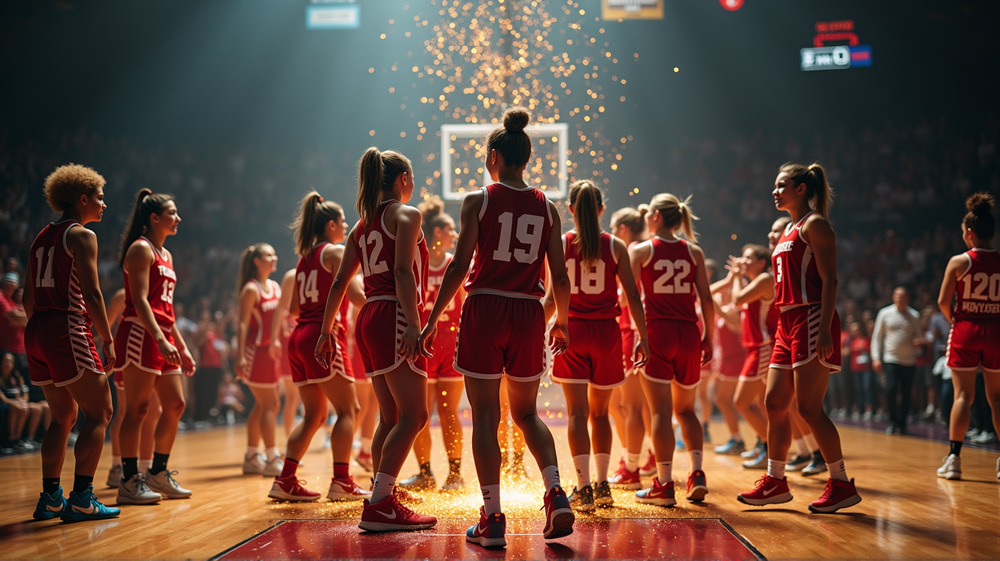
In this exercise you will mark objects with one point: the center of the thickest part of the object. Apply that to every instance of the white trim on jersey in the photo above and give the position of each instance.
(486, 201)
(650, 258)
(806, 258)
(762, 313)
(969, 266)
(504, 293)
(611, 244)
(66, 234)
(382, 218)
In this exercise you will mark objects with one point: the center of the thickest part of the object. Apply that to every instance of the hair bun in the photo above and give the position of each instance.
(980, 203)
(431, 207)
(516, 118)
(643, 210)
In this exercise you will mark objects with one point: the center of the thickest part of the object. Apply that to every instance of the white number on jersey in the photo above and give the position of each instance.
(987, 287)
(46, 280)
(777, 271)
(591, 278)
(168, 292)
(529, 232)
(675, 271)
(307, 288)
(369, 261)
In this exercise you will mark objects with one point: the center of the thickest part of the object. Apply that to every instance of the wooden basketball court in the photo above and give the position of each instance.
(907, 512)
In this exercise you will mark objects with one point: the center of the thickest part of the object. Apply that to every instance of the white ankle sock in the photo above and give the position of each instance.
(803, 447)
(837, 470)
(366, 445)
(550, 475)
(116, 460)
(274, 453)
(776, 469)
(811, 441)
(382, 488)
(632, 462)
(145, 465)
(491, 498)
(602, 462)
(664, 472)
(582, 465)
(695, 460)
(252, 451)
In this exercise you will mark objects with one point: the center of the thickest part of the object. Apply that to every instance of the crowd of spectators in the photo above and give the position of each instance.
(899, 200)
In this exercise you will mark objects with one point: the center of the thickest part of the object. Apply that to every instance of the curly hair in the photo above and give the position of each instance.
(64, 186)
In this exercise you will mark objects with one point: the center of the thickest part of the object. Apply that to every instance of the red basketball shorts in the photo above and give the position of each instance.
(441, 366)
(134, 346)
(357, 365)
(730, 367)
(757, 362)
(284, 366)
(975, 343)
(60, 348)
(628, 346)
(302, 357)
(798, 332)
(262, 368)
(594, 355)
(501, 334)
(675, 352)
(378, 336)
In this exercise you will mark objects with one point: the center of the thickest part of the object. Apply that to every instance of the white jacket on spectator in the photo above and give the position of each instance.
(895, 331)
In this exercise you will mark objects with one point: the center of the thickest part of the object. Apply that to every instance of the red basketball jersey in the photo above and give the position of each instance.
(52, 270)
(668, 280)
(593, 288)
(758, 322)
(796, 279)
(449, 319)
(977, 294)
(162, 281)
(514, 227)
(377, 250)
(314, 283)
(727, 341)
(263, 313)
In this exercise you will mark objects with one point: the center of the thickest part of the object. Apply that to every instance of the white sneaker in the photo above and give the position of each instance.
(346, 490)
(115, 476)
(165, 484)
(273, 467)
(952, 468)
(998, 468)
(254, 464)
(135, 491)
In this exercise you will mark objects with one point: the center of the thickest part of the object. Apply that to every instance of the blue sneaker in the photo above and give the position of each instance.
(732, 447)
(50, 506)
(760, 462)
(490, 530)
(85, 506)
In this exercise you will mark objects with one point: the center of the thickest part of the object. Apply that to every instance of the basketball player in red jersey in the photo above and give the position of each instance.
(671, 271)
(151, 354)
(147, 436)
(728, 357)
(758, 323)
(807, 343)
(319, 232)
(445, 384)
(512, 228)
(259, 297)
(367, 416)
(972, 279)
(286, 325)
(388, 246)
(628, 400)
(62, 297)
(588, 371)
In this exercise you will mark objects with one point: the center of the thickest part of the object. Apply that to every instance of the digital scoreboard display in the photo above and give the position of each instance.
(836, 46)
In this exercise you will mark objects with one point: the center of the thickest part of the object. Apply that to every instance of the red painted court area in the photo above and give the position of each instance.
(690, 538)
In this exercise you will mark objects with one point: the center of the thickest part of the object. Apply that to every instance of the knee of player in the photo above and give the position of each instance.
(775, 405)
(810, 411)
(63, 419)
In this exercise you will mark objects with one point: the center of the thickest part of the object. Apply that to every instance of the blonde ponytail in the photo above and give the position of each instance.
(587, 203)
(818, 191)
(377, 172)
(309, 225)
(675, 213)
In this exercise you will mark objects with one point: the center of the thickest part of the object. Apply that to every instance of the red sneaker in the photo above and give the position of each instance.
(649, 468)
(837, 495)
(769, 491)
(291, 489)
(346, 490)
(490, 530)
(660, 495)
(625, 479)
(389, 515)
(559, 516)
(697, 487)
(364, 459)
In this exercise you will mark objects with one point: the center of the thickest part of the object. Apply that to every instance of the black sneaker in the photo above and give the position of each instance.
(602, 495)
(582, 499)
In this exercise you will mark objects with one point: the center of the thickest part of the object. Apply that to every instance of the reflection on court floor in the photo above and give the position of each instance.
(689, 538)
